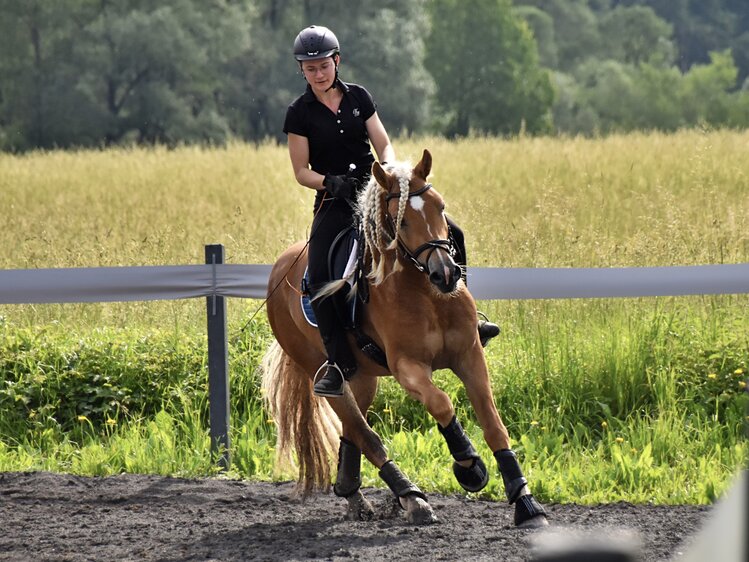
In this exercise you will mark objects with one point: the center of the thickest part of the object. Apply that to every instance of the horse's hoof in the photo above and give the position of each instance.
(473, 478)
(537, 522)
(359, 508)
(419, 512)
(529, 514)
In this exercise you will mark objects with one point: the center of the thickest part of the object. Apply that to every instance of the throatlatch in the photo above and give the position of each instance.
(398, 483)
(472, 478)
(348, 479)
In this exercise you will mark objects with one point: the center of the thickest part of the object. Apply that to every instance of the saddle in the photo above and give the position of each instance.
(346, 258)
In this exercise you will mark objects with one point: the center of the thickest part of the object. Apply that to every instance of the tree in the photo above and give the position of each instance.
(575, 30)
(485, 65)
(89, 72)
(542, 26)
(706, 91)
(152, 69)
(636, 35)
(36, 81)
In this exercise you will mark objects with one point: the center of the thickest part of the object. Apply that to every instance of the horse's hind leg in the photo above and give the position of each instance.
(348, 474)
(360, 437)
(475, 377)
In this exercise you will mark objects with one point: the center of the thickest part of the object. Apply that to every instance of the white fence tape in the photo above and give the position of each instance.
(102, 284)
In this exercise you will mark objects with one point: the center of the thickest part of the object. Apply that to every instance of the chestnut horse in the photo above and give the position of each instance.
(422, 316)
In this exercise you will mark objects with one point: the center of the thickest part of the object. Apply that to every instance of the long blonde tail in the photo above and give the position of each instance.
(306, 424)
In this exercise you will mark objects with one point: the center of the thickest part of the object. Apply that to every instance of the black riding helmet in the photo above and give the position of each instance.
(315, 42)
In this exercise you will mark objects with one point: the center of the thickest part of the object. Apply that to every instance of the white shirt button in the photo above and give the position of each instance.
(338, 121)
(341, 130)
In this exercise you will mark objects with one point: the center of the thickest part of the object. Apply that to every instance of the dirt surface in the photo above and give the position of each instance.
(57, 517)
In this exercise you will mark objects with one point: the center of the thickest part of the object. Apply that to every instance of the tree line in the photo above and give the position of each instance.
(105, 72)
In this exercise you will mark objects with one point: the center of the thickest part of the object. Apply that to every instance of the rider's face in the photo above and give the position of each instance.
(320, 73)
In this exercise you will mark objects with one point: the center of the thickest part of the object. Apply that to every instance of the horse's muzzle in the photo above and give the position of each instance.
(444, 273)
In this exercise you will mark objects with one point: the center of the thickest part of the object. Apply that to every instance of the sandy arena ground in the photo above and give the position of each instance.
(57, 517)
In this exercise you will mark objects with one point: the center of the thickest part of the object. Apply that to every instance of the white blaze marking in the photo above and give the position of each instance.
(417, 203)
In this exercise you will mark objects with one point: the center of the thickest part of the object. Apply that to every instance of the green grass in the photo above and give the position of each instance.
(606, 399)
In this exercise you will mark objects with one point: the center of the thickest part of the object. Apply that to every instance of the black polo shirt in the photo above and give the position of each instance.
(336, 140)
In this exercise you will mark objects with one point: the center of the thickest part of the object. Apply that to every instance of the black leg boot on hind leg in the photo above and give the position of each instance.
(528, 512)
(348, 482)
(418, 512)
(475, 477)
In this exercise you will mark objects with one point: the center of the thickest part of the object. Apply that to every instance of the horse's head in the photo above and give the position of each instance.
(414, 221)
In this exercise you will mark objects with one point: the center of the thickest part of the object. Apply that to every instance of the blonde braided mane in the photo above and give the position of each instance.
(377, 242)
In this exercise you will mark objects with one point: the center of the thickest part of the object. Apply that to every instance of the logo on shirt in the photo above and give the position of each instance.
(356, 112)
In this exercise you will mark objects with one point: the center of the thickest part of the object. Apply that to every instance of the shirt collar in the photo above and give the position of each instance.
(309, 95)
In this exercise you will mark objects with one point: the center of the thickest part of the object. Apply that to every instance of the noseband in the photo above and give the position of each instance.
(430, 246)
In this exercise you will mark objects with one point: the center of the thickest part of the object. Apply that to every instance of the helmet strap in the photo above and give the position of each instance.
(335, 80)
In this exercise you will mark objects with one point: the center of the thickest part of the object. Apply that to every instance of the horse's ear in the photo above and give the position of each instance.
(423, 168)
(380, 174)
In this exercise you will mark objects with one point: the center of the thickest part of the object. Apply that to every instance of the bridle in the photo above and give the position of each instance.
(430, 246)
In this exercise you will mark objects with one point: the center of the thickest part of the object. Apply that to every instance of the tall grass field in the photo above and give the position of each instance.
(642, 400)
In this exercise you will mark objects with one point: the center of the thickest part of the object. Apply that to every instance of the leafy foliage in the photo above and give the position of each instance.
(486, 67)
(92, 72)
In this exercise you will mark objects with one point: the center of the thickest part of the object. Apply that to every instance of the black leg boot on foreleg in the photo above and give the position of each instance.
(528, 512)
(472, 478)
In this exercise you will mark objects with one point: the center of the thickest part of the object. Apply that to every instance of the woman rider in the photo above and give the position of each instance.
(329, 130)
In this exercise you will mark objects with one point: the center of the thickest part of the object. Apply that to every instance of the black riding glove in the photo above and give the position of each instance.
(340, 186)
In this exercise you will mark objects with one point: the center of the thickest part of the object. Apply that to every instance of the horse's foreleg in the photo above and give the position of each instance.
(475, 377)
(416, 378)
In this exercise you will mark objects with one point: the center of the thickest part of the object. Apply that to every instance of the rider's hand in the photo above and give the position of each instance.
(340, 186)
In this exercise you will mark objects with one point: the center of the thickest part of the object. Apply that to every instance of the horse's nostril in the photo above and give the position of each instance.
(435, 277)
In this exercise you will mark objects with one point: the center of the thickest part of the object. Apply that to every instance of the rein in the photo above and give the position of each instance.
(430, 246)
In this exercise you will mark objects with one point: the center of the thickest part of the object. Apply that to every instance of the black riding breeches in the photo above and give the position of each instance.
(333, 216)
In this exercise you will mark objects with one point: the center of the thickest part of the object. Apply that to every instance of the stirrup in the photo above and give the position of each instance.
(326, 385)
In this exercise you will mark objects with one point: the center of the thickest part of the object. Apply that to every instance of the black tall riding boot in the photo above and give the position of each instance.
(487, 330)
(341, 363)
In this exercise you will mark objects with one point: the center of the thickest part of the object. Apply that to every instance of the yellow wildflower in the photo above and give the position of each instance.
(620, 439)
(712, 376)
(604, 424)
(82, 418)
(739, 371)
(111, 422)
(742, 385)
(534, 423)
